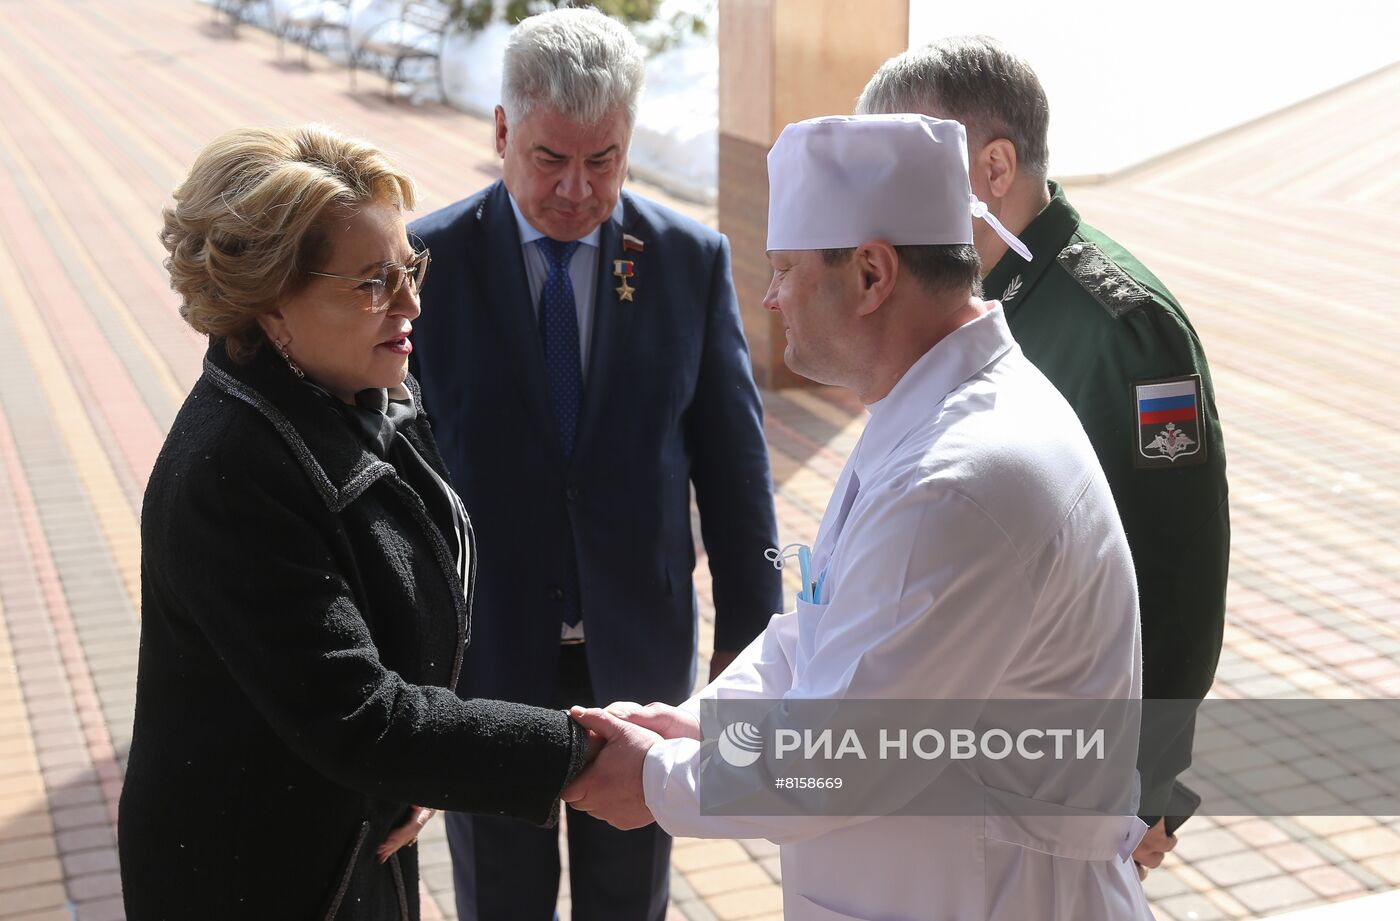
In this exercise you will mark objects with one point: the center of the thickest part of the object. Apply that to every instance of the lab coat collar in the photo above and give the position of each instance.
(916, 397)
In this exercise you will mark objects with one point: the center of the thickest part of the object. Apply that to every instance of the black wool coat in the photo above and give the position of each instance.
(302, 624)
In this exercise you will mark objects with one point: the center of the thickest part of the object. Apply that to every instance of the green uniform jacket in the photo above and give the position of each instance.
(1114, 341)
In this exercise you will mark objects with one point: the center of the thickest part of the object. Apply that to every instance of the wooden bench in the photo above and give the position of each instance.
(417, 34)
(309, 20)
(235, 10)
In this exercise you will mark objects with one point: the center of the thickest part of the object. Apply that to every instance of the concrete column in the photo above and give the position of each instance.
(781, 61)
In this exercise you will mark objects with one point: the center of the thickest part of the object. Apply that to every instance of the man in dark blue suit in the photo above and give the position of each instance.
(583, 364)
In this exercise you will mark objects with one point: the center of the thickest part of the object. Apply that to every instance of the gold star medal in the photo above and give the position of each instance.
(623, 270)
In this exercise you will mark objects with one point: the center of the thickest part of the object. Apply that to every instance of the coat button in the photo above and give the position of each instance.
(555, 594)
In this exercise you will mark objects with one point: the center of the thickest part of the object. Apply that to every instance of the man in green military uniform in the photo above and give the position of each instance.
(1116, 343)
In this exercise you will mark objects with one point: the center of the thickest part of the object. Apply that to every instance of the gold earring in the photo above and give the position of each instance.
(282, 350)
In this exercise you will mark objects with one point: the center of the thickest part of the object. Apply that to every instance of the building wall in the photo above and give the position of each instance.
(1131, 81)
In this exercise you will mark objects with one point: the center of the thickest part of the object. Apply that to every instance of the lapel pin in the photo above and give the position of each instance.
(631, 244)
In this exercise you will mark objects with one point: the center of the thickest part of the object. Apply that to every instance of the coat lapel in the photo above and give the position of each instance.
(338, 463)
(612, 320)
(508, 299)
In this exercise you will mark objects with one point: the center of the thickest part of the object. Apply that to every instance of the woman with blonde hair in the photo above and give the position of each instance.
(306, 567)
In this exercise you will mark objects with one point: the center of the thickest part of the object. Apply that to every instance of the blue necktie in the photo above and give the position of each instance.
(563, 369)
(559, 332)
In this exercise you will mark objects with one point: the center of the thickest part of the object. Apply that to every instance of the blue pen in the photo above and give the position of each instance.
(804, 565)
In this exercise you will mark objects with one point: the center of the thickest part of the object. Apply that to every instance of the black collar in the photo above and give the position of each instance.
(336, 459)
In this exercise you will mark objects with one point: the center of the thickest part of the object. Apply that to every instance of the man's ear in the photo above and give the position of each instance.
(501, 130)
(997, 163)
(878, 266)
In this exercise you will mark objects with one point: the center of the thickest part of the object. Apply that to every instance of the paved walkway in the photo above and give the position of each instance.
(1281, 239)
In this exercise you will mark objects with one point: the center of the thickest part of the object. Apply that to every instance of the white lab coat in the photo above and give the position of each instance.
(981, 557)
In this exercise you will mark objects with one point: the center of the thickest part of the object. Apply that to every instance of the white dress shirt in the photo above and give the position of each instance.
(972, 551)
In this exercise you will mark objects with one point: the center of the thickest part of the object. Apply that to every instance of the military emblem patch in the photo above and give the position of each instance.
(1169, 430)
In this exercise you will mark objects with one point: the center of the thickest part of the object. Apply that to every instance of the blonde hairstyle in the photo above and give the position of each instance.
(248, 222)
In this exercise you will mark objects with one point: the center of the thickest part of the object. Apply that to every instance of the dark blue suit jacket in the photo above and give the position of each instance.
(669, 400)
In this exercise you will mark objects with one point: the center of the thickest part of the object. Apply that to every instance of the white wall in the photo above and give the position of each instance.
(1130, 80)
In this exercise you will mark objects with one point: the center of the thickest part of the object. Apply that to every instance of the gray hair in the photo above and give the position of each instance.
(975, 80)
(577, 62)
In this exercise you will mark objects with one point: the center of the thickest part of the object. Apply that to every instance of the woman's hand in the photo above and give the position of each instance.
(666, 721)
(405, 834)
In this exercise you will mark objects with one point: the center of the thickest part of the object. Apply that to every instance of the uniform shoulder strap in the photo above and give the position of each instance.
(1104, 280)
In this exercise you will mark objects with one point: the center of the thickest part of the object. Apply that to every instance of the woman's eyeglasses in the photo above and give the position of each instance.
(383, 286)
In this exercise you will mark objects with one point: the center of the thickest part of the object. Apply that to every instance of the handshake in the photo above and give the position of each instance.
(610, 785)
(619, 737)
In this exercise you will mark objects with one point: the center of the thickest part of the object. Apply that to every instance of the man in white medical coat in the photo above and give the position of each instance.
(971, 550)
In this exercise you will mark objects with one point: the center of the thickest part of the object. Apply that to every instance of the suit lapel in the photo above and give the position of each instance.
(612, 319)
(508, 298)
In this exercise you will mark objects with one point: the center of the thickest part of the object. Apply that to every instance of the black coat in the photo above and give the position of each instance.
(302, 621)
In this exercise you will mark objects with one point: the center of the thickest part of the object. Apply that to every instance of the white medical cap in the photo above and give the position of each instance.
(842, 180)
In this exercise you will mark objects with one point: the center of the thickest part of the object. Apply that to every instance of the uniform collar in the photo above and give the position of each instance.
(528, 233)
(915, 398)
(1011, 279)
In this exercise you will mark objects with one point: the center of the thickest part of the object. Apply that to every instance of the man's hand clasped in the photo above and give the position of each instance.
(610, 787)
(1153, 848)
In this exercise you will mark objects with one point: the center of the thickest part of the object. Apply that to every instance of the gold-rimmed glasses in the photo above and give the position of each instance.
(384, 285)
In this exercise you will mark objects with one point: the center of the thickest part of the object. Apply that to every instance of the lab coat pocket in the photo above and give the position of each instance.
(1062, 867)
(809, 616)
(1056, 829)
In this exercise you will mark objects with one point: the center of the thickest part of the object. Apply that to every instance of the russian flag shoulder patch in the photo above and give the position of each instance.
(1169, 429)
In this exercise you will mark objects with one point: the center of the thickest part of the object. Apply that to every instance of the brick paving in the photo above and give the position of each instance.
(1280, 238)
